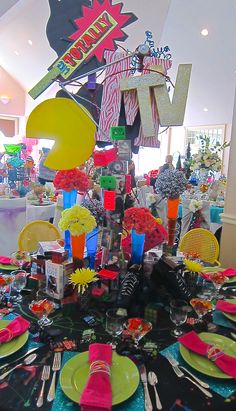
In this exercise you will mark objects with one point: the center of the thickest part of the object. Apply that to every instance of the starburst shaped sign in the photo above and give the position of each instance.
(97, 31)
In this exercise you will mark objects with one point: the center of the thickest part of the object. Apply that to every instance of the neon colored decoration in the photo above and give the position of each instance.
(62, 120)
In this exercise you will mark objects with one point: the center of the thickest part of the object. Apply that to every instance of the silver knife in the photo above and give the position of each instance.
(19, 358)
(233, 336)
(143, 375)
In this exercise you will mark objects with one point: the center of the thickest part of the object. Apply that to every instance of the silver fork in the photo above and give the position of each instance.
(175, 363)
(55, 367)
(180, 374)
(44, 378)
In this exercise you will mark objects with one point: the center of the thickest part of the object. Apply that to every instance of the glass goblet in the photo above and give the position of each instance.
(114, 324)
(41, 309)
(201, 307)
(178, 315)
(19, 282)
(20, 258)
(5, 287)
(218, 279)
(137, 328)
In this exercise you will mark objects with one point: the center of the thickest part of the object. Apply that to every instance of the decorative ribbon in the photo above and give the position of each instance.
(99, 366)
(9, 337)
(213, 353)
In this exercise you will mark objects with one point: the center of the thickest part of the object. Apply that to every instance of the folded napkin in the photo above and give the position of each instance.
(97, 394)
(223, 361)
(16, 327)
(5, 260)
(226, 307)
(229, 272)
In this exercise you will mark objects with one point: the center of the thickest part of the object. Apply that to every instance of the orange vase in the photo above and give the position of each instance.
(172, 214)
(172, 207)
(77, 245)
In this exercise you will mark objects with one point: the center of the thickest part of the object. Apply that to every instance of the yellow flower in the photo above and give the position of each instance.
(193, 266)
(77, 220)
(158, 220)
(82, 277)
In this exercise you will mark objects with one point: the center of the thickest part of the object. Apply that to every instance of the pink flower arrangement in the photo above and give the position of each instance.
(71, 180)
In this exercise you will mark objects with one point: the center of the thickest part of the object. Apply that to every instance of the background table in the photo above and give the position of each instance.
(15, 213)
(34, 212)
(215, 213)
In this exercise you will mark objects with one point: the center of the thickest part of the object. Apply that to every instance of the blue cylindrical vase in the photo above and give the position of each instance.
(137, 247)
(91, 245)
(69, 199)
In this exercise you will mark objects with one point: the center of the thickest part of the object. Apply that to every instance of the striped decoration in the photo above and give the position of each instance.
(111, 98)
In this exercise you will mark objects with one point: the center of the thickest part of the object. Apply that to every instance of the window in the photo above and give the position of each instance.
(215, 132)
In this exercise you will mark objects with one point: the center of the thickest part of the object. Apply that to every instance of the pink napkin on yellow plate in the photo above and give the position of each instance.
(15, 328)
(225, 362)
(97, 394)
(226, 307)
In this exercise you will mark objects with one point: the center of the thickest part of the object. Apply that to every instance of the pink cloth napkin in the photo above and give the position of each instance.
(5, 260)
(229, 272)
(226, 307)
(223, 361)
(16, 327)
(97, 394)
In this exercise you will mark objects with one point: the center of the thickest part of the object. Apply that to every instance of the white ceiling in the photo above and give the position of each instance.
(213, 57)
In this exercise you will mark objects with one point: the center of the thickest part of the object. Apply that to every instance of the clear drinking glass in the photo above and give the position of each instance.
(178, 315)
(114, 324)
(19, 282)
(41, 309)
(201, 307)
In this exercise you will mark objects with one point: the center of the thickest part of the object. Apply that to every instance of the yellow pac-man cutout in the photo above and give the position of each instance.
(62, 120)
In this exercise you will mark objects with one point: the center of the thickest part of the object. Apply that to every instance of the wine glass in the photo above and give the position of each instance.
(114, 324)
(5, 287)
(41, 309)
(201, 307)
(178, 315)
(137, 328)
(20, 257)
(218, 279)
(19, 282)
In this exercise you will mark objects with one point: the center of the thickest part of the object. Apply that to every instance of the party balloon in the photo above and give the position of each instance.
(62, 120)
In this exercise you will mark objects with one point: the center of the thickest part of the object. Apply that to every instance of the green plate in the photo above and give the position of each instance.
(8, 267)
(124, 377)
(202, 364)
(14, 345)
(231, 317)
(231, 280)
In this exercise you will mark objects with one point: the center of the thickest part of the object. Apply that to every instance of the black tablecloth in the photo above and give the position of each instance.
(21, 390)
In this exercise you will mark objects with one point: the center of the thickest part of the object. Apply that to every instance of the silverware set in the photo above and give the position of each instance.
(194, 380)
(152, 380)
(46, 376)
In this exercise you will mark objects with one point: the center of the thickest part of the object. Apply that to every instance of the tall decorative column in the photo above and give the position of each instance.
(228, 218)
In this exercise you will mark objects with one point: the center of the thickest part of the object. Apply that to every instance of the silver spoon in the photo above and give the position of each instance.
(152, 379)
(28, 360)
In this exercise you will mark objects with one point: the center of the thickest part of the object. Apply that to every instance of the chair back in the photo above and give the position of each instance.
(12, 220)
(202, 242)
(36, 231)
